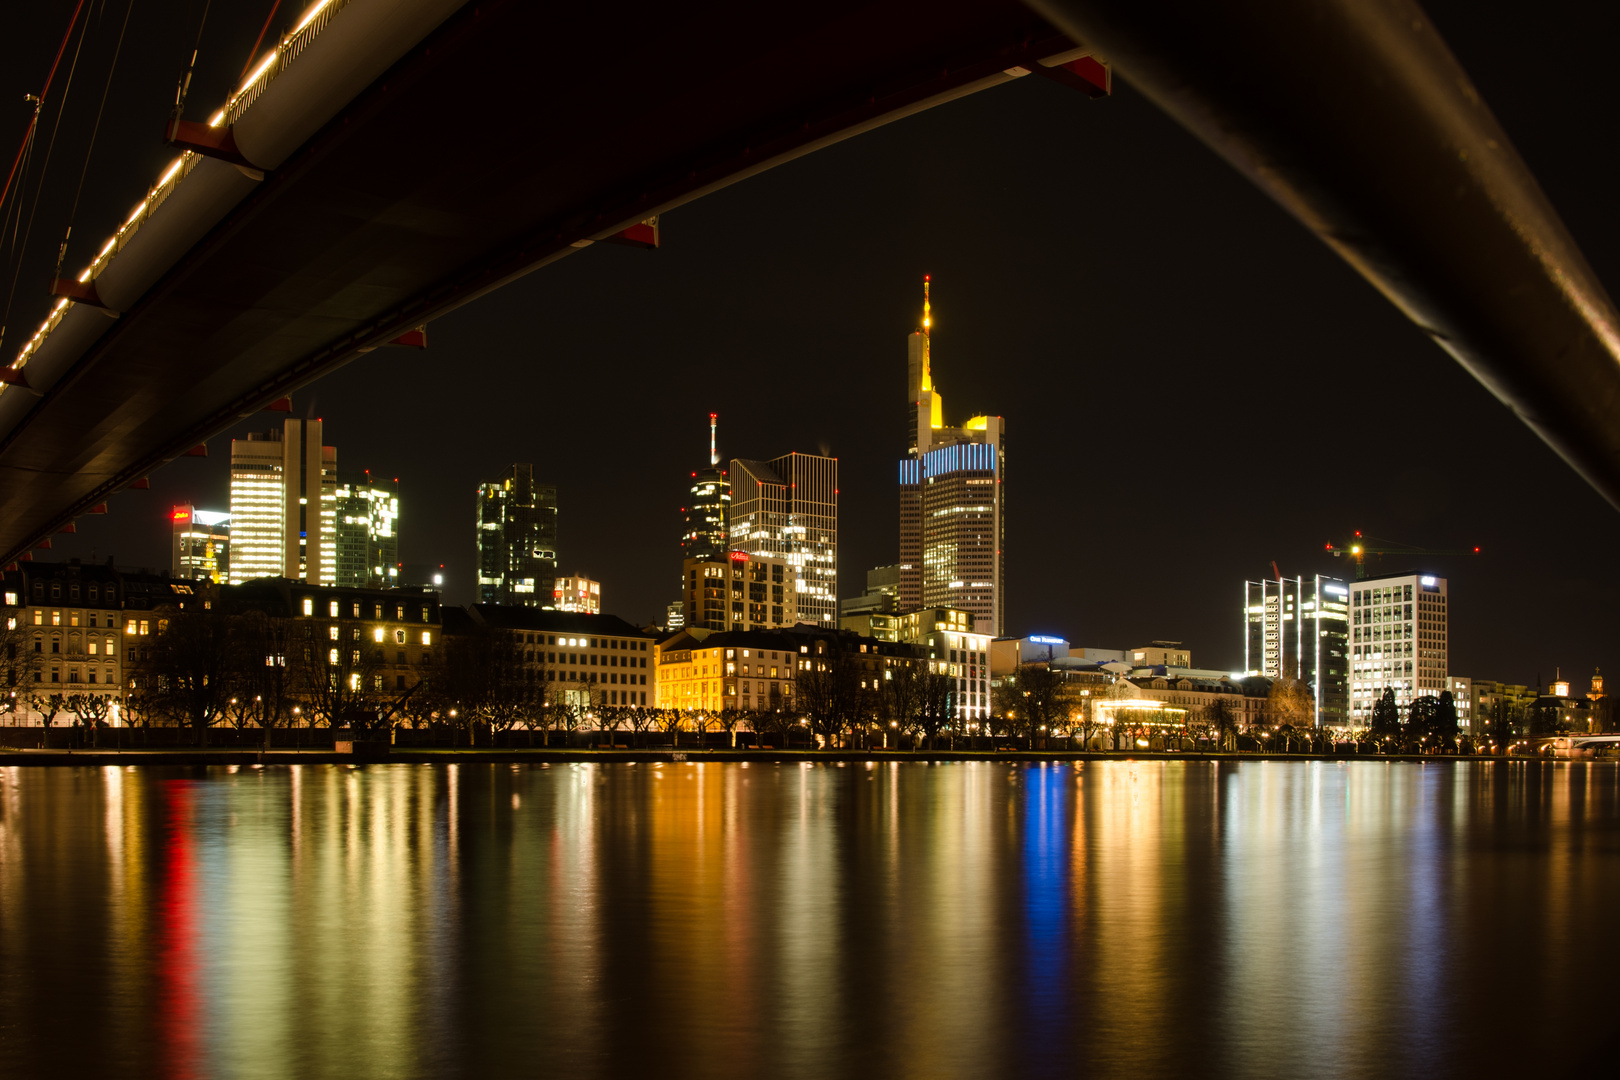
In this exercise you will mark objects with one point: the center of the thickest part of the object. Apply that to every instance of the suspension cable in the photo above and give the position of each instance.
(257, 42)
(45, 167)
(185, 80)
(62, 251)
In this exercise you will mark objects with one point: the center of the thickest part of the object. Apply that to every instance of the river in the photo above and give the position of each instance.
(751, 920)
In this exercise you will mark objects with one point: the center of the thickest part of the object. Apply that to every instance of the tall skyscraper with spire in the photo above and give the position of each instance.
(708, 508)
(952, 529)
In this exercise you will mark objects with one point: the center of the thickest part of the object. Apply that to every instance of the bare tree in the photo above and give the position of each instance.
(1289, 705)
(91, 711)
(334, 673)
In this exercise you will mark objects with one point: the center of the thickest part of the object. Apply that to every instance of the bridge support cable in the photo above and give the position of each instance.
(1408, 177)
(95, 129)
(21, 251)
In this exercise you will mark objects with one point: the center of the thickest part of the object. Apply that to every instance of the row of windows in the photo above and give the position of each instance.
(334, 608)
(623, 644)
(588, 660)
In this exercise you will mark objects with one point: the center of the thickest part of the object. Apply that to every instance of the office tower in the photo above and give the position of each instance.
(708, 505)
(577, 594)
(1298, 628)
(738, 591)
(367, 531)
(517, 539)
(1398, 640)
(202, 544)
(789, 507)
(952, 525)
(284, 505)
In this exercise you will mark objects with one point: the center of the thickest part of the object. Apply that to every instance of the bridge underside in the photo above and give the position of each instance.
(519, 130)
(512, 134)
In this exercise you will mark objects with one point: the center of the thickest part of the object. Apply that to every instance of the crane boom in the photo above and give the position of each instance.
(1361, 546)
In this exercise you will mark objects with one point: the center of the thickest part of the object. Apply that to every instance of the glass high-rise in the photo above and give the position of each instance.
(708, 508)
(1298, 628)
(952, 500)
(517, 539)
(367, 531)
(788, 506)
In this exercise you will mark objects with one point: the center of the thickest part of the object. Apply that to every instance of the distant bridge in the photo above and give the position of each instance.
(394, 159)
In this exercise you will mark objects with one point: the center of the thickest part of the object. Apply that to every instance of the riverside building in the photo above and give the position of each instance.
(1399, 634)
(517, 539)
(1299, 628)
(788, 507)
(582, 660)
(952, 529)
(284, 505)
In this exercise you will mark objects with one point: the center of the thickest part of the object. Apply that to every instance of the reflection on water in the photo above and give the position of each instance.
(1141, 918)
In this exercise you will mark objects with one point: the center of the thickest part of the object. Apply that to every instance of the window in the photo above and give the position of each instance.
(399, 611)
(39, 619)
(427, 637)
(332, 608)
(332, 656)
(309, 605)
(109, 646)
(399, 637)
(377, 635)
(332, 631)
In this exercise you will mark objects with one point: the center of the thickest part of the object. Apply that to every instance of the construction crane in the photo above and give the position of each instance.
(1361, 546)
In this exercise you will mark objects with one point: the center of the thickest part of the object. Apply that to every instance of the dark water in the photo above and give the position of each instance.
(1115, 918)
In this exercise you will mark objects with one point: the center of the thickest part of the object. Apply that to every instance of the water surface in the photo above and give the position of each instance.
(897, 920)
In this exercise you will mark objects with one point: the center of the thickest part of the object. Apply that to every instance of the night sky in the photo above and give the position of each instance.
(1181, 365)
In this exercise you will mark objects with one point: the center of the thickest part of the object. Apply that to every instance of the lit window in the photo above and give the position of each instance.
(333, 608)
(427, 637)
(399, 637)
(332, 656)
(309, 605)
(332, 631)
(377, 635)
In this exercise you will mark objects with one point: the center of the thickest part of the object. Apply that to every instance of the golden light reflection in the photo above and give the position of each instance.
(895, 919)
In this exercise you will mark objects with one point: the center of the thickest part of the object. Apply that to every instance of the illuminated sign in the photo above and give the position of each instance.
(1336, 590)
(180, 513)
(739, 556)
(1041, 639)
(1429, 582)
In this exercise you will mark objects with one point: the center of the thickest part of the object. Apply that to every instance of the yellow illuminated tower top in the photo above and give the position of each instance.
(936, 403)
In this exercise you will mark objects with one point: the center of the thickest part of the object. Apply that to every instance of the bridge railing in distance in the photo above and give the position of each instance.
(313, 22)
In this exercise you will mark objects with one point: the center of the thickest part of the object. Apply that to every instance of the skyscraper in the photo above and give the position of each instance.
(284, 505)
(367, 531)
(517, 539)
(952, 528)
(708, 505)
(788, 506)
(202, 544)
(1399, 636)
(1299, 628)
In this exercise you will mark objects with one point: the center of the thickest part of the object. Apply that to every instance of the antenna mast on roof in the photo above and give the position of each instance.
(714, 445)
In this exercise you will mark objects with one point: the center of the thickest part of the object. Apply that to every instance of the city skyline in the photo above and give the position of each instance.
(1190, 279)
